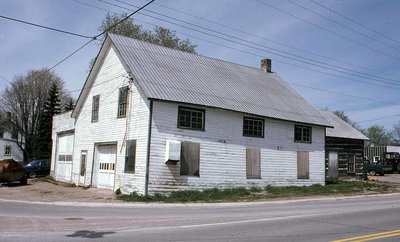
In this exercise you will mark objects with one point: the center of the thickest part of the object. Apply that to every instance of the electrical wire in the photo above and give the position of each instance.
(328, 30)
(262, 38)
(340, 24)
(46, 27)
(354, 21)
(91, 40)
(253, 54)
(306, 61)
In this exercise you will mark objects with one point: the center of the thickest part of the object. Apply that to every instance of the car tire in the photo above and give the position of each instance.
(372, 173)
(32, 174)
(23, 180)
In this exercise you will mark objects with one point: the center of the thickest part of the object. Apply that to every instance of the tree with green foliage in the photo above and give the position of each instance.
(160, 35)
(378, 135)
(345, 117)
(42, 148)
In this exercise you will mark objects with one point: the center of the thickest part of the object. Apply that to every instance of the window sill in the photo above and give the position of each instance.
(186, 128)
(249, 136)
(303, 142)
(254, 178)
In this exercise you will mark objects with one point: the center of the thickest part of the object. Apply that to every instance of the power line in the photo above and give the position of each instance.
(328, 30)
(253, 54)
(87, 43)
(354, 21)
(319, 64)
(112, 26)
(381, 118)
(340, 24)
(260, 37)
(46, 27)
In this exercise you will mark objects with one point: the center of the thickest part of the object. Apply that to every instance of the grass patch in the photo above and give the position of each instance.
(243, 194)
(339, 187)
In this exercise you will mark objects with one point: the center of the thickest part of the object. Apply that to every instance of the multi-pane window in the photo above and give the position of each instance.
(7, 150)
(253, 127)
(189, 118)
(122, 102)
(302, 134)
(95, 108)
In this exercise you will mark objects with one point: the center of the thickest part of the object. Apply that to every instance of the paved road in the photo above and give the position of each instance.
(324, 220)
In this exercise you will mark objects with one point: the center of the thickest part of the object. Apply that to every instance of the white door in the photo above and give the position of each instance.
(63, 164)
(107, 155)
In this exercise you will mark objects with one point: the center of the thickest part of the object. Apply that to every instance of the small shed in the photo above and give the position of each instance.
(344, 148)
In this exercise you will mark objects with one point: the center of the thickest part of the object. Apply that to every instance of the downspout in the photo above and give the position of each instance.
(146, 184)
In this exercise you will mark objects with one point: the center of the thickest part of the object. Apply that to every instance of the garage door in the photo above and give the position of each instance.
(107, 155)
(65, 149)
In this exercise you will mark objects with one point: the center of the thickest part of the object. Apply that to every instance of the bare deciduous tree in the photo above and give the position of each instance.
(25, 99)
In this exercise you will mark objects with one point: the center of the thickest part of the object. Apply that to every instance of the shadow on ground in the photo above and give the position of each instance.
(89, 234)
(13, 184)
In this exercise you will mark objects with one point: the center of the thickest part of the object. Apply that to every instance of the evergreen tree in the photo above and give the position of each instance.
(69, 105)
(51, 107)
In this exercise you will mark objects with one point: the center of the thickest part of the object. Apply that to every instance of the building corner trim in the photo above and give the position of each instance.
(146, 184)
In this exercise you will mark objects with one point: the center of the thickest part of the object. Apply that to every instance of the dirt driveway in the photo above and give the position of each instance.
(44, 191)
(393, 178)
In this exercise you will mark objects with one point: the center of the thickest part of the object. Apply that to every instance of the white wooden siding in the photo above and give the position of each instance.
(223, 152)
(61, 123)
(109, 128)
(16, 152)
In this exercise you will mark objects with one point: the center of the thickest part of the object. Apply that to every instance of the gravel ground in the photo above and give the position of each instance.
(44, 191)
(41, 190)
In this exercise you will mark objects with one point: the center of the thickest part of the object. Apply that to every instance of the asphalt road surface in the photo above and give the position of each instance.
(354, 219)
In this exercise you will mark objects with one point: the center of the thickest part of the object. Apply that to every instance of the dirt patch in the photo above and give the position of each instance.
(392, 178)
(44, 191)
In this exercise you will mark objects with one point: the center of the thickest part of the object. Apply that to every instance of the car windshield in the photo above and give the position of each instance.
(34, 163)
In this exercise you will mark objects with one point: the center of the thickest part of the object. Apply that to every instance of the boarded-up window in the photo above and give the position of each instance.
(190, 158)
(303, 167)
(253, 159)
(83, 163)
(122, 102)
(130, 156)
(95, 108)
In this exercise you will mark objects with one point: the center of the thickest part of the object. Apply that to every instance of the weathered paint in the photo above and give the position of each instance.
(223, 152)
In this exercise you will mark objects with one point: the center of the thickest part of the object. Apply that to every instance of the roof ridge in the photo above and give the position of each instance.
(189, 53)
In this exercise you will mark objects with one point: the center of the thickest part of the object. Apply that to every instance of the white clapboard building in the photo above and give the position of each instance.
(150, 119)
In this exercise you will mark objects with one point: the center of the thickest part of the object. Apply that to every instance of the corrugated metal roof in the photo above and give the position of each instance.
(341, 128)
(173, 75)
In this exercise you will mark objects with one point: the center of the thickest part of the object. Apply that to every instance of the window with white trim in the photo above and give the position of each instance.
(7, 150)
(302, 134)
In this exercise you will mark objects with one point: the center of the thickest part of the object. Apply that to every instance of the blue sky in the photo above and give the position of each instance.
(372, 54)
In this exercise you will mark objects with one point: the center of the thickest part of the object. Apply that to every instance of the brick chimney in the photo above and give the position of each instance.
(266, 65)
